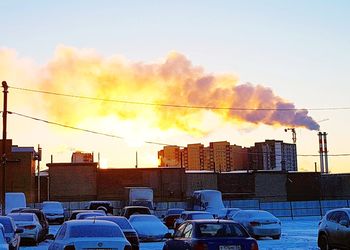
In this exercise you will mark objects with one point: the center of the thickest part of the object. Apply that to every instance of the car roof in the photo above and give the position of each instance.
(88, 222)
(127, 207)
(213, 221)
(345, 209)
(195, 212)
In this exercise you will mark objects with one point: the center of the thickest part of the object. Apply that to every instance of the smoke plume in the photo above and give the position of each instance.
(173, 80)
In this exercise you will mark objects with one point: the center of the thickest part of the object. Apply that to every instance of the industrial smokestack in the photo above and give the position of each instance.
(325, 151)
(321, 151)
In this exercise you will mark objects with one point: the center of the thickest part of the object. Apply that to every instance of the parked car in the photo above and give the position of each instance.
(227, 213)
(148, 227)
(82, 216)
(89, 234)
(30, 224)
(98, 205)
(126, 227)
(192, 215)
(3, 243)
(11, 232)
(42, 219)
(53, 211)
(210, 234)
(171, 215)
(130, 210)
(259, 223)
(74, 213)
(333, 229)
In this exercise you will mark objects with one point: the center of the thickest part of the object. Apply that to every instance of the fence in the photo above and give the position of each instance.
(288, 209)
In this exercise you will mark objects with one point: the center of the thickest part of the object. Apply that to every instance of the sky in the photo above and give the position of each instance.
(245, 54)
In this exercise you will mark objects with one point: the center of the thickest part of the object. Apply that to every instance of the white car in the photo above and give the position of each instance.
(259, 223)
(29, 223)
(11, 232)
(53, 211)
(148, 227)
(3, 243)
(89, 234)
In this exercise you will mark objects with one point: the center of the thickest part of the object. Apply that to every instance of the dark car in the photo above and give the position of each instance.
(101, 205)
(334, 229)
(42, 219)
(171, 215)
(11, 232)
(130, 210)
(210, 234)
(192, 215)
(126, 227)
(74, 213)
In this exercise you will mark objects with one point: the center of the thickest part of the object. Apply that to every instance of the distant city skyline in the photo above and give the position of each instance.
(234, 56)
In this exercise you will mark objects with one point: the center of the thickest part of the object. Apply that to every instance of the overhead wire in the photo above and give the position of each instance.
(80, 129)
(175, 105)
(148, 142)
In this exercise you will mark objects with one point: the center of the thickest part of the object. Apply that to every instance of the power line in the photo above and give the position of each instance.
(81, 129)
(148, 142)
(177, 105)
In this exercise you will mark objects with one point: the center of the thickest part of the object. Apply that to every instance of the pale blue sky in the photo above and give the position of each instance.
(300, 49)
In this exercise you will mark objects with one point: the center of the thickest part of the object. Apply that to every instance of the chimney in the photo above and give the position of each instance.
(321, 151)
(325, 151)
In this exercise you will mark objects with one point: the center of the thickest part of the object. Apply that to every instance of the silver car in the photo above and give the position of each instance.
(11, 232)
(29, 223)
(53, 211)
(89, 234)
(334, 229)
(259, 223)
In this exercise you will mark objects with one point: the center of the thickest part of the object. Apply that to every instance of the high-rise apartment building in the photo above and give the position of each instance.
(193, 156)
(170, 156)
(239, 157)
(273, 155)
(220, 156)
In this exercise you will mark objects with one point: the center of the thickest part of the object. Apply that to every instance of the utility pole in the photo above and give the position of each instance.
(3, 157)
(38, 158)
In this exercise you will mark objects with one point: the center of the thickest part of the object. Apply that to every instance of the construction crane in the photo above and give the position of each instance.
(294, 134)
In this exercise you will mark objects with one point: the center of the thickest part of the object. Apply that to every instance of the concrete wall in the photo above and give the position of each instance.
(335, 186)
(236, 185)
(167, 183)
(303, 186)
(198, 181)
(270, 186)
(72, 181)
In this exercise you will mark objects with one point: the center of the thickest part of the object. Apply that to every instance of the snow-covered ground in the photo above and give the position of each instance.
(297, 234)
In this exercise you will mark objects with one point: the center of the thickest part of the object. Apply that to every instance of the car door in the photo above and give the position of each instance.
(175, 243)
(58, 242)
(343, 232)
(332, 227)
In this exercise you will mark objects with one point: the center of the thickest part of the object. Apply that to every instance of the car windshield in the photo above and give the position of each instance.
(7, 225)
(21, 217)
(52, 206)
(200, 216)
(80, 231)
(221, 230)
(86, 215)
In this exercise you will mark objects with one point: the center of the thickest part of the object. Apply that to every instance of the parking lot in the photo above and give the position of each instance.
(299, 233)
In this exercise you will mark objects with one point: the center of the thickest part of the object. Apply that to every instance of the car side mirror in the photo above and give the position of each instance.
(168, 236)
(19, 230)
(50, 237)
(344, 223)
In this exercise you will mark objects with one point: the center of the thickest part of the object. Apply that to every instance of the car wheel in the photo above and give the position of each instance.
(276, 237)
(323, 242)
